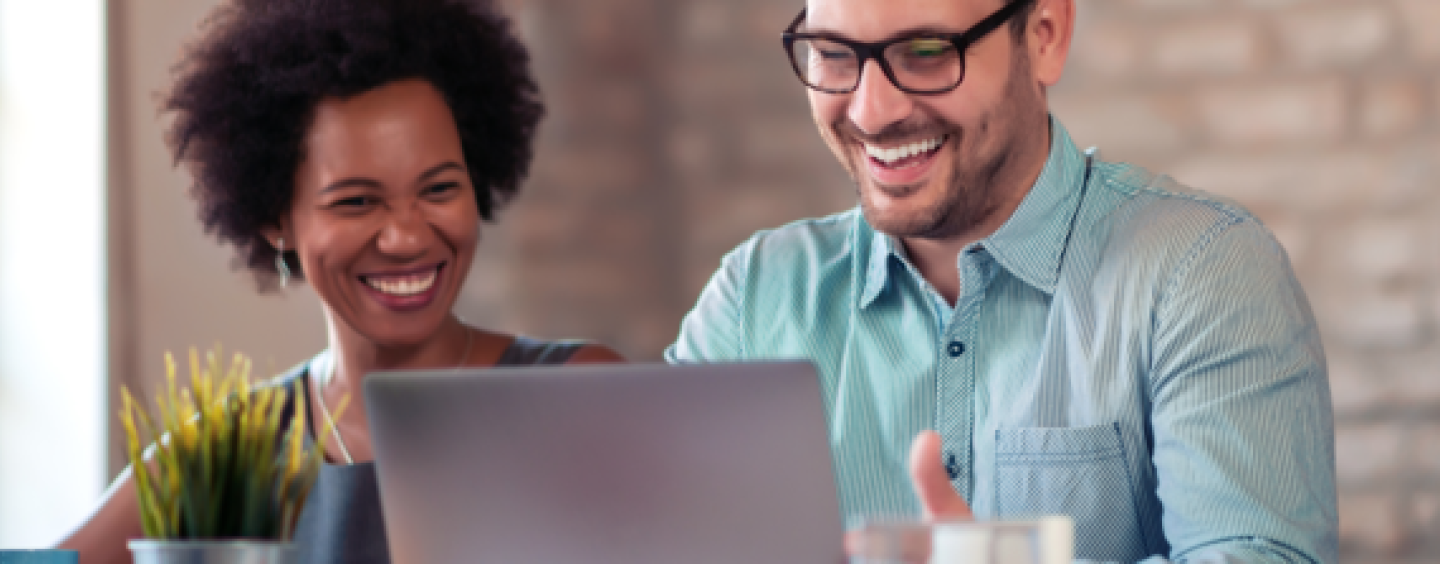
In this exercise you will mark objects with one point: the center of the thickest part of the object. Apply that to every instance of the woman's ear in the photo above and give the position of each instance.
(275, 234)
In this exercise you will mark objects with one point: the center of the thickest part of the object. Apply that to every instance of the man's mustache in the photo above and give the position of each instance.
(844, 128)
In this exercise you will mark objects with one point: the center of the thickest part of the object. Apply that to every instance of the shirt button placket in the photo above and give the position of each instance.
(955, 412)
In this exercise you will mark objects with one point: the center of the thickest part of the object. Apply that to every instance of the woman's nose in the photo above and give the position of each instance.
(405, 234)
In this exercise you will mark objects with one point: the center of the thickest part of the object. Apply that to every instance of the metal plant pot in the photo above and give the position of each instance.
(239, 551)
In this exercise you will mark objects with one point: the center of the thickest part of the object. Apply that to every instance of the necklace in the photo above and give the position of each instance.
(330, 375)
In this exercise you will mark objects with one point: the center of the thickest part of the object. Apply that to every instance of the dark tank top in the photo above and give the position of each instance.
(341, 522)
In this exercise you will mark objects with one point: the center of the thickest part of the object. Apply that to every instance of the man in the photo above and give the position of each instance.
(1086, 339)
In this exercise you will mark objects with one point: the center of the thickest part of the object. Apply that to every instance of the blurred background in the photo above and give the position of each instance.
(675, 130)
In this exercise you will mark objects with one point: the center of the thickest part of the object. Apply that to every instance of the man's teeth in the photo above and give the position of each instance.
(403, 285)
(893, 154)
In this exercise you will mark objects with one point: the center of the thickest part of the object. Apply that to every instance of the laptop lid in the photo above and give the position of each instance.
(632, 464)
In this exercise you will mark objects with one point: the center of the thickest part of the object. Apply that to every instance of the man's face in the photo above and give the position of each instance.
(963, 143)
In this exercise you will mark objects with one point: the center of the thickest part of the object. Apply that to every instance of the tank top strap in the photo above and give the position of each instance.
(342, 522)
(526, 351)
(297, 381)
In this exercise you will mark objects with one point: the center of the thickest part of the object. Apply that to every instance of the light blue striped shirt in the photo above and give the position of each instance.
(1125, 351)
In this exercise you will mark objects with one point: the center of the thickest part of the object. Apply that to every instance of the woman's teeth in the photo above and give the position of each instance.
(894, 154)
(403, 285)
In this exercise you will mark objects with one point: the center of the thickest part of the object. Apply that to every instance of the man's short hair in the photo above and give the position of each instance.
(1018, 23)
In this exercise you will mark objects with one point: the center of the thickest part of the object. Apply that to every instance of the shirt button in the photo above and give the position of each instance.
(956, 349)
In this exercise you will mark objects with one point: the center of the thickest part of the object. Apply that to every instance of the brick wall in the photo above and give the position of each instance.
(1323, 116)
(676, 130)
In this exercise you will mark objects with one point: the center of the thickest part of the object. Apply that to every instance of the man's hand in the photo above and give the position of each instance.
(938, 498)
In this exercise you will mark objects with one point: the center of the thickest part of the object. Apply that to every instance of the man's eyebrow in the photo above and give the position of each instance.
(922, 30)
(442, 167)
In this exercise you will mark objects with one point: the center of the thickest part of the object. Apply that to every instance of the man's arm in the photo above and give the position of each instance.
(713, 330)
(1243, 438)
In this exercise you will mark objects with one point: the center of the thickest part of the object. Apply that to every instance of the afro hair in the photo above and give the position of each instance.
(245, 93)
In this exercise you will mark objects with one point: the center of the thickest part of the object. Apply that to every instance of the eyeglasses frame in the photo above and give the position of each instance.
(876, 50)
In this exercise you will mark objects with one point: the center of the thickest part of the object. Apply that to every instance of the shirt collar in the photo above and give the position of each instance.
(1030, 244)
(877, 271)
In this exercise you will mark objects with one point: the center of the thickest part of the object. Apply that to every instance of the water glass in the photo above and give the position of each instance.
(1047, 540)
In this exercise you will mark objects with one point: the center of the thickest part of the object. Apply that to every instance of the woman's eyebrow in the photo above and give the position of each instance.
(442, 167)
(351, 183)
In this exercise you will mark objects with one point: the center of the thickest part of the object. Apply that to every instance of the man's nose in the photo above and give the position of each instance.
(876, 102)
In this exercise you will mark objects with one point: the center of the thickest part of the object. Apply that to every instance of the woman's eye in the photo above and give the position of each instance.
(352, 202)
(442, 188)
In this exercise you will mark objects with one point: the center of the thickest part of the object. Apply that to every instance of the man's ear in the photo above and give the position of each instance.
(1047, 36)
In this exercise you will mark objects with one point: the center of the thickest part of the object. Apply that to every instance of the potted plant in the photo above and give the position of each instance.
(224, 480)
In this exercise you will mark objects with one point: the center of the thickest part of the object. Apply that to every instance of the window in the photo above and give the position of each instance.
(52, 266)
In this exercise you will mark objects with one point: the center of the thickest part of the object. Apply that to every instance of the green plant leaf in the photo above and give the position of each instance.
(222, 462)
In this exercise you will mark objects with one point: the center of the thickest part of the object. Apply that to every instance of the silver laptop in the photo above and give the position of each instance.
(622, 464)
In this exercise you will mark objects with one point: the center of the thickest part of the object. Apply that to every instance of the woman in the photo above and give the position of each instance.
(357, 146)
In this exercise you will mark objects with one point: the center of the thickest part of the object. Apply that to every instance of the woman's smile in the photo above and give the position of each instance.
(406, 290)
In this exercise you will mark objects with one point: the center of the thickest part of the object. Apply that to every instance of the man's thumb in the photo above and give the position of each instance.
(932, 482)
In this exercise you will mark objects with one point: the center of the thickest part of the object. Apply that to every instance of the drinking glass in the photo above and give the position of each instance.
(1047, 540)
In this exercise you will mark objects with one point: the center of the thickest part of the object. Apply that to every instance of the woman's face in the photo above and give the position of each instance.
(384, 218)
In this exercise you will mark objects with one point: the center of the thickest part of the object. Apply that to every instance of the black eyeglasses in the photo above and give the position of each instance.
(920, 63)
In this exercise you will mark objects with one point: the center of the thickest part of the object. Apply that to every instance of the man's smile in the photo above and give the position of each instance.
(893, 166)
(901, 156)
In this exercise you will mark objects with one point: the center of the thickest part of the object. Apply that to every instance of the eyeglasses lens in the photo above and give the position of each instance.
(826, 65)
(919, 64)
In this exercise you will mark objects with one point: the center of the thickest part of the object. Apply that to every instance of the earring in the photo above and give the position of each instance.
(280, 264)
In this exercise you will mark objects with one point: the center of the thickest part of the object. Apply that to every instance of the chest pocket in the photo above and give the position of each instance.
(1080, 472)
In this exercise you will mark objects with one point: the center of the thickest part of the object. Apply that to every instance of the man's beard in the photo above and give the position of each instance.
(974, 189)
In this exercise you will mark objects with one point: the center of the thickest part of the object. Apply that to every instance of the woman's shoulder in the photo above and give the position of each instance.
(525, 351)
(295, 374)
(595, 353)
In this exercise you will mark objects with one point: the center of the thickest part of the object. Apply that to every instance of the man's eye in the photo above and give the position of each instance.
(925, 48)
